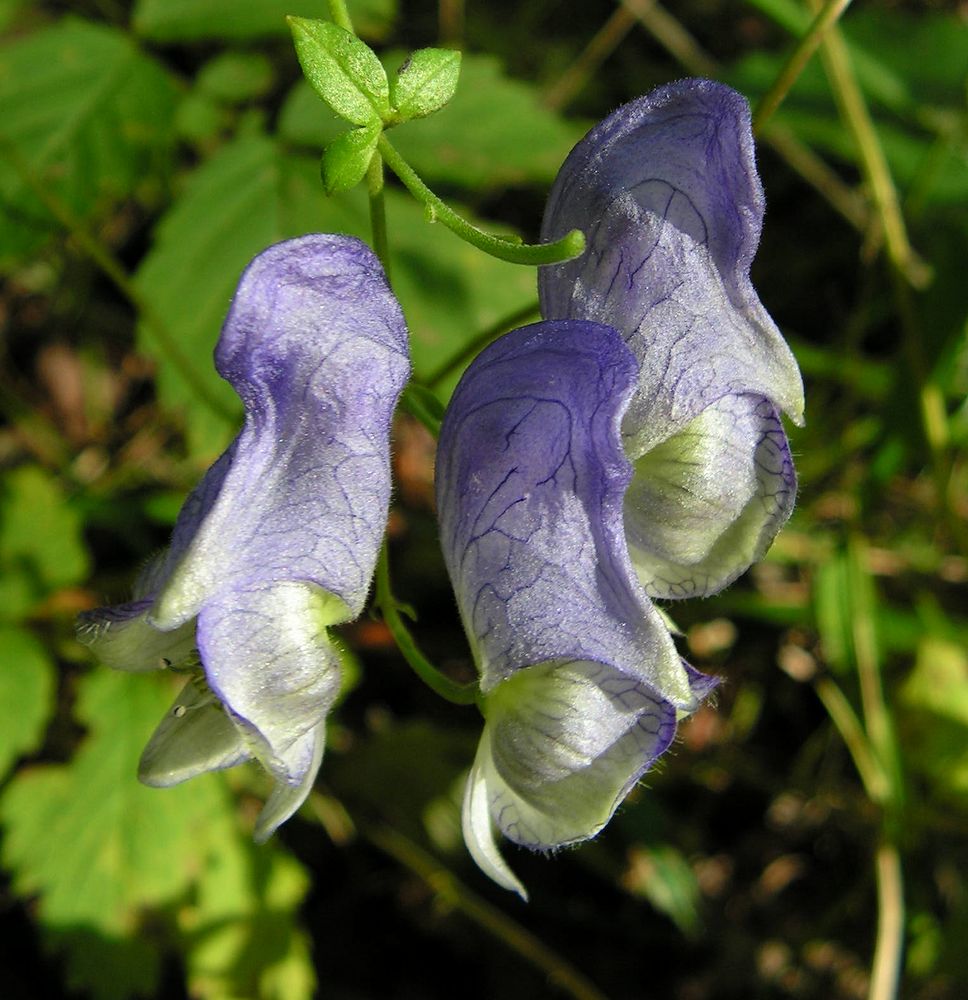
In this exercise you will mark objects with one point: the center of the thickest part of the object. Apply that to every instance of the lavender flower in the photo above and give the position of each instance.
(578, 476)
(667, 194)
(280, 538)
(580, 680)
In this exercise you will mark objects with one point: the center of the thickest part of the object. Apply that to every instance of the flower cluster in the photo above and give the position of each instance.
(626, 448)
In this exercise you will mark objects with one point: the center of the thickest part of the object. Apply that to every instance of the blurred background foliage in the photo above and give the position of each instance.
(809, 832)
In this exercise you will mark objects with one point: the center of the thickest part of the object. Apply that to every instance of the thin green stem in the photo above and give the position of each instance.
(795, 65)
(340, 16)
(857, 119)
(114, 270)
(378, 212)
(607, 39)
(511, 250)
(458, 694)
(450, 22)
(907, 268)
(889, 947)
(453, 893)
(852, 733)
(877, 721)
(413, 401)
(819, 175)
(673, 36)
(473, 347)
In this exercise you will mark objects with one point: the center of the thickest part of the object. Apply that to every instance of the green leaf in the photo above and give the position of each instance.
(243, 937)
(9, 11)
(832, 607)
(197, 20)
(347, 158)
(934, 720)
(26, 694)
(41, 546)
(96, 847)
(661, 874)
(493, 133)
(425, 83)
(449, 290)
(236, 77)
(88, 114)
(344, 71)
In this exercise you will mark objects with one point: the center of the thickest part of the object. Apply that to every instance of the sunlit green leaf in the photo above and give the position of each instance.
(26, 694)
(88, 115)
(935, 724)
(344, 71)
(243, 938)
(425, 82)
(41, 547)
(252, 194)
(86, 837)
(493, 132)
(346, 158)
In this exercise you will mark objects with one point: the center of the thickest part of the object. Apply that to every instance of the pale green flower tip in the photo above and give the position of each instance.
(478, 827)
(291, 789)
(123, 638)
(196, 735)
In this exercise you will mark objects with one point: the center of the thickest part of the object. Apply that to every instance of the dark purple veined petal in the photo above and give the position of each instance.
(580, 678)
(530, 482)
(667, 194)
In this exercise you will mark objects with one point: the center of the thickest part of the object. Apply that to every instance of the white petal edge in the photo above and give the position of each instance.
(478, 827)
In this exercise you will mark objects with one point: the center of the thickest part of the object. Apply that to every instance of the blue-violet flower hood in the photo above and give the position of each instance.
(280, 538)
(667, 194)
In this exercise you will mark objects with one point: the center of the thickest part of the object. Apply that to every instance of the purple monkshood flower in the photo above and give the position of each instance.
(580, 680)
(667, 194)
(280, 538)
(629, 447)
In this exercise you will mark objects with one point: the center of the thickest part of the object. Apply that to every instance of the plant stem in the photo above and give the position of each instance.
(607, 39)
(473, 347)
(412, 402)
(458, 694)
(378, 212)
(450, 22)
(795, 65)
(852, 733)
(114, 270)
(907, 269)
(677, 41)
(886, 970)
(511, 250)
(672, 36)
(452, 892)
(853, 110)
